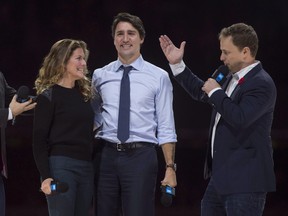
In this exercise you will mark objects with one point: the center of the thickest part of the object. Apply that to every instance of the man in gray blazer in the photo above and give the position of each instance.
(239, 159)
(7, 94)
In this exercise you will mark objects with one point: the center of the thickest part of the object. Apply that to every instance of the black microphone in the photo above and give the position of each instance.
(167, 195)
(58, 187)
(22, 94)
(220, 75)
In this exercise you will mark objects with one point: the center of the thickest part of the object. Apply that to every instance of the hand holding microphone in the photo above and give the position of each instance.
(220, 76)
(21, 102)
(168, 185)
(52, 187)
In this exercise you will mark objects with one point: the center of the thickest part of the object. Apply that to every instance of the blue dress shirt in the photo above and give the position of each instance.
(151, 111)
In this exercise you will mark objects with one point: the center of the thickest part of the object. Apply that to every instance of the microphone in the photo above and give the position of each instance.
(58, 187)
(22, 94)
(167, 195)
(220, 75)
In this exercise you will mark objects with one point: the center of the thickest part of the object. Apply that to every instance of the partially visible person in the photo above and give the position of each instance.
(127, 170)
(63, 128)
(239, 159)
(8, 94)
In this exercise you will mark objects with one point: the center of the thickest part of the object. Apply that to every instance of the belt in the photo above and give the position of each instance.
(128, 146)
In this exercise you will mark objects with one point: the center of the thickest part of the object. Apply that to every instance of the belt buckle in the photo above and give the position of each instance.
(120, 147)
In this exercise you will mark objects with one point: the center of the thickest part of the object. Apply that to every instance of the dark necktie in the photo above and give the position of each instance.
(124, 107)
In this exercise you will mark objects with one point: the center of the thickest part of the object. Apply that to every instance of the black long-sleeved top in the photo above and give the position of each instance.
(63, 125)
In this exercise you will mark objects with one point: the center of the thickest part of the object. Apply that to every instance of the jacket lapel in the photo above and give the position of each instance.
(237, 88)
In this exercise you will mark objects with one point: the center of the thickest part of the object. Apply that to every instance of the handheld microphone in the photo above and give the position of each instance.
(167, 195)
(220, 75)
(58, 187)
(22, 94)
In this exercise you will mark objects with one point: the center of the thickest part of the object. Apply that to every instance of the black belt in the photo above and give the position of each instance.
(128, 146)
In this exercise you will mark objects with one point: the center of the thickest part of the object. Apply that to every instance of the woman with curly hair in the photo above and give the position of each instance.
(63, 129)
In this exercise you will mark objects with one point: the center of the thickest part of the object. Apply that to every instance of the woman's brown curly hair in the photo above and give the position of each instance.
(54, 67)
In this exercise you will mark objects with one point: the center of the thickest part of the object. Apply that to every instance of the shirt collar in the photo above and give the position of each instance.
(240, 74)
(137, 64)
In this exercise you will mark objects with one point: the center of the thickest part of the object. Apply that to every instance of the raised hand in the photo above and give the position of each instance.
(173, 54)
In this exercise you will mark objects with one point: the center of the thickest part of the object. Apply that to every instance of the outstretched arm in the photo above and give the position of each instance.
(173, 54)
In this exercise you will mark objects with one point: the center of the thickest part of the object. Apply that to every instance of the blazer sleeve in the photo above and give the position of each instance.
(6, 94)
(3, 117)
(192, 84)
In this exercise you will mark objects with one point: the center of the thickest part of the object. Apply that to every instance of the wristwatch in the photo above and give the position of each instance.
(173, 166)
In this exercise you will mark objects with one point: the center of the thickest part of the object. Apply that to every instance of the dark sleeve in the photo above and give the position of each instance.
(192, 84)
(9, 91)
(7, 94)
(43, 117)
(3, 117)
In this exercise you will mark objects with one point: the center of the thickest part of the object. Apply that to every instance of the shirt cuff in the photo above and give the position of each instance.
(177, 68)
(10, 115)
(214, 90)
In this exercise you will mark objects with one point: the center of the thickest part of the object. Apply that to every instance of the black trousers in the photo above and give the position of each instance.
(125, 181)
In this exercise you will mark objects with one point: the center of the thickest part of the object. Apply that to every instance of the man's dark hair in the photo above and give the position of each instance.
(135, 21)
